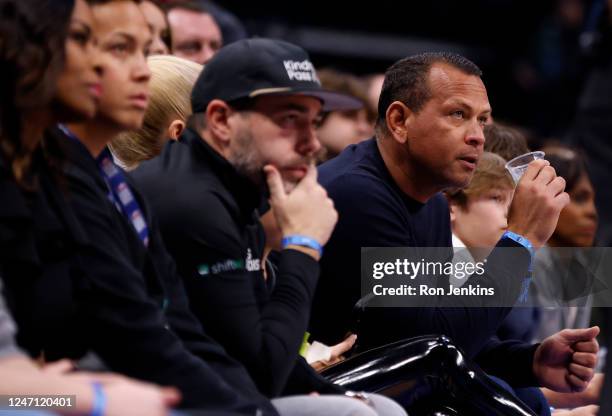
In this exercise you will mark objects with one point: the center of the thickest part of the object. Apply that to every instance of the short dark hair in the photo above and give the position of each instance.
(505, 140)
(407, 80)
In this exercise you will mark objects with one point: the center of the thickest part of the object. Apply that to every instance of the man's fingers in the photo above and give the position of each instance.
(534, 169)
(275, 183)
(557, 185)
(343, 346)
(590, 409)
(583, 373)
(310, 179)
(171, 396)
(591, 347)
(576, 383)
(546, 175)
(562, 200)
(311, 175)
(585, 359)
(58, 367)
(581, 335)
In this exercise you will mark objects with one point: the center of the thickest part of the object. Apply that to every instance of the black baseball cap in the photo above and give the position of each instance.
(251, 68)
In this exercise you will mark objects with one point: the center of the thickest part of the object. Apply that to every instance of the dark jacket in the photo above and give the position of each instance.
(38, 239)
(209, 220)
(118, 299)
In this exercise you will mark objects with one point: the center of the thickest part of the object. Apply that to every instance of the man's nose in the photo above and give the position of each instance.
(475, 134)
(309, 142)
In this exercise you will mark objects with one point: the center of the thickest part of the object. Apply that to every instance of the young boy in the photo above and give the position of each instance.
(479, 212)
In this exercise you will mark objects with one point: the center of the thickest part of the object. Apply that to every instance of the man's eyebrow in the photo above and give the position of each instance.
(465, 104)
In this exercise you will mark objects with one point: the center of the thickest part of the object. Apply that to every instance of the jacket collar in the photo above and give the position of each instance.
(247, 194)
(78, 157)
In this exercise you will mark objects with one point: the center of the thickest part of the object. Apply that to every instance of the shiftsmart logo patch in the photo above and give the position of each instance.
(228, 265)
(250, 264)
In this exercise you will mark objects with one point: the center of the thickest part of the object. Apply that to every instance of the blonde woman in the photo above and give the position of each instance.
(172, 79)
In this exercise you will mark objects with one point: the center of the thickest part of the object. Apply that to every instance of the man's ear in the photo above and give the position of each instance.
(175, 129)
(217, 121)
(397, 117)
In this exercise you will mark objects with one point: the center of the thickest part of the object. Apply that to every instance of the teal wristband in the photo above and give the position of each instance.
(98, 407)
(302, 240)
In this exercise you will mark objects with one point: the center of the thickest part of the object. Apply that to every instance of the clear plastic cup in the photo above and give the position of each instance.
(518, 165)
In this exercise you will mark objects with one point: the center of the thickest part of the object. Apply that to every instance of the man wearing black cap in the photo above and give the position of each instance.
(255, 108)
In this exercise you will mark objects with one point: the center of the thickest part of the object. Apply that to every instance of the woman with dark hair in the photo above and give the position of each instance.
(578, 221)
(554, 283)
(32, 63)
(50, 73)
(562, 288)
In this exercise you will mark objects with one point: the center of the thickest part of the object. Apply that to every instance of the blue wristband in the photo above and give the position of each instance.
(302, 240)
(527, 280)
(98, 407)
(522, 241)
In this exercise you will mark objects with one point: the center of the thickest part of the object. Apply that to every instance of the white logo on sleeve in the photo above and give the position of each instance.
(301, 71)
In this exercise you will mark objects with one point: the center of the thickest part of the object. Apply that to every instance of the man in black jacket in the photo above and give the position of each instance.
(255, 107)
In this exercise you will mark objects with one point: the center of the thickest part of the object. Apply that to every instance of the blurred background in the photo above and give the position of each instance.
(532, 52)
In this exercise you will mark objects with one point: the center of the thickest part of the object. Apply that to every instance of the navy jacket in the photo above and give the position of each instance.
(374, 212)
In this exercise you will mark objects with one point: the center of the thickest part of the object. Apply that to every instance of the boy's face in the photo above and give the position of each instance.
(484, 219)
